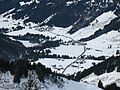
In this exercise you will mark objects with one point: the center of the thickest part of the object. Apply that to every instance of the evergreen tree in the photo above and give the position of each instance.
(117, 52)
(112, 87)
(16, 76)
(100, 84)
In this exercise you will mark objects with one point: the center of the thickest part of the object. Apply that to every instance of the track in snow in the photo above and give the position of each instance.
(78, 57)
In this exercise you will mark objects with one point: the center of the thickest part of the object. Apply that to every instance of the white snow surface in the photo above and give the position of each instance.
(71, 85)
(6, 83)
(71, 50)
(69, 3)
(58, 65)
(28, 3)
(97, 24)
(101, 45)
(106, 78)
(98, 47)
(27, 43)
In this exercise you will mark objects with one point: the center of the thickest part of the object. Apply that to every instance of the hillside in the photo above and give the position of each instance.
(107, 71)
(77, 39)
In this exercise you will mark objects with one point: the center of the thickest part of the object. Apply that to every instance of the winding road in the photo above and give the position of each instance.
(78, 57)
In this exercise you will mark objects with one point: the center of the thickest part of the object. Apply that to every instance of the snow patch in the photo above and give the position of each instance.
(28, 3)
(97, 24)
(106, 78)
(28, 44)
(70, 50)
(69, 3)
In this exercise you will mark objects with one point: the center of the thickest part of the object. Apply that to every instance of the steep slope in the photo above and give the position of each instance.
(56, 33)
(10, 49)
(47, 85)
(21, 75)
(107, 71)
(106, 78)
(62, 13)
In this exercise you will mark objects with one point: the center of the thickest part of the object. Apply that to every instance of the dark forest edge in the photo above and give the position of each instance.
(108, 65)
(20, 68)
(42, 50)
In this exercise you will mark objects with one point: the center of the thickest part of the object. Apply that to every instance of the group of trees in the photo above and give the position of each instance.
(95, 58)
(40, 50)
(100, 84)
(108, 65)
(34, 38)
(21, 68)
(43, 54)
(4, 30)
(118, 52)
(112, 86)
(10, 49)
(41, 39)
(113, 25)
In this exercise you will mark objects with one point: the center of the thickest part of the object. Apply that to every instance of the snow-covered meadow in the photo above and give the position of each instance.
(58, 65)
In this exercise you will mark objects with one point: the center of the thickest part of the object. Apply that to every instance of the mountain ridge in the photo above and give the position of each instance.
(78, 14)
(77, 34)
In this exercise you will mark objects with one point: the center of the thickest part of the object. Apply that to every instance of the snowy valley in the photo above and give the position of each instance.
(65, 50)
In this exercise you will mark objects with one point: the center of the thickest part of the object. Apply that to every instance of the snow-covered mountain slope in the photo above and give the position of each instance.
(98, 47)
(106, 78)
(78, 13)
(62, 33)
(6, 48)
(6, 83)
(107, 71)
(106, 44)
(71, 85)
(95, 25)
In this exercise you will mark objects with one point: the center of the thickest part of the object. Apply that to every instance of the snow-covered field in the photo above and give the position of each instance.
(106, 44)
(28, 3)
(59, 64)
(71, 50)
